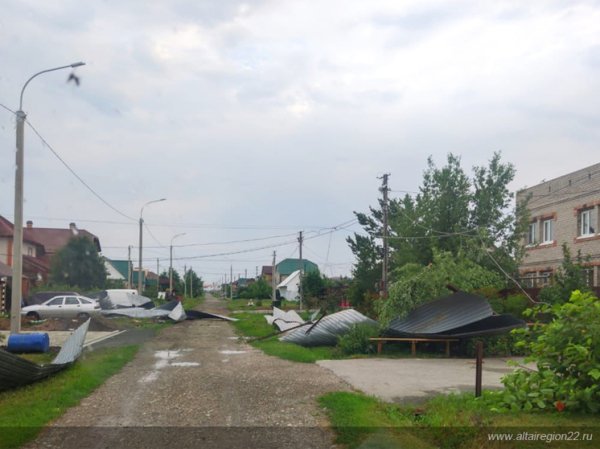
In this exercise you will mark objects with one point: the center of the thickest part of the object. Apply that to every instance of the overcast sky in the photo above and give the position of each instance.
(263, 118)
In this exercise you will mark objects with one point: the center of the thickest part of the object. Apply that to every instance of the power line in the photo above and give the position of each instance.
(85, 184)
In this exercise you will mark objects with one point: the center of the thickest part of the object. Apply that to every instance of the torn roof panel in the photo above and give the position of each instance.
(442, 315)
(326, 331)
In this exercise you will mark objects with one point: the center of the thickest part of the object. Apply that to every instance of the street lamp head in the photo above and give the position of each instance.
(77, 64)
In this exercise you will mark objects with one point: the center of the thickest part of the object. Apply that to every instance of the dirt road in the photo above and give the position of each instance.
(197, 385)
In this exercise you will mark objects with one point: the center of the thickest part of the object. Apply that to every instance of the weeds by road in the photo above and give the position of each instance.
(447, 422)
(25, 411)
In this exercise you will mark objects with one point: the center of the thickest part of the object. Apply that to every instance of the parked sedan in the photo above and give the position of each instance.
(70, 306)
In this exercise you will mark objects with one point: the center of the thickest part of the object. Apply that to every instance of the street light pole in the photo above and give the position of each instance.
(140, 290)
(17, 262)
(171, 265)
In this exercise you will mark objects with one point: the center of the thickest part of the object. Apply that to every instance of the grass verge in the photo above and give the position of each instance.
(448, 422)
(190, 303)
(25, 411)
(257, 304)
(254, 325)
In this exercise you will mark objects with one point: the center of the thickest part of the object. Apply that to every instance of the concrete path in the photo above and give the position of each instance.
(413, 380)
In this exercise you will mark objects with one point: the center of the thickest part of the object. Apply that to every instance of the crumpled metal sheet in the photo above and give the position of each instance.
(442, 315)
(137, 312)
(16, 371)
(198, 315)
(116, 300)
(284, 320)
(326, 331)
(177, 314)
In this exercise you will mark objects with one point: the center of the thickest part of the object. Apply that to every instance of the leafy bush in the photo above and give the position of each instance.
(356, 341)
(567, 354)
(496, 345)
(568, 278)
(516, 305)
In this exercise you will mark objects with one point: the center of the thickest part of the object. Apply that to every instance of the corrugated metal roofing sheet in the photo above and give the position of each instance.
(16, 371)
(442, 315)
(326, 331)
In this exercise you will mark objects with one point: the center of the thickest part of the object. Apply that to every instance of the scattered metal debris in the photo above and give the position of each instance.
(16, 371)
(327, 329)
(457, 315)
(284, 320)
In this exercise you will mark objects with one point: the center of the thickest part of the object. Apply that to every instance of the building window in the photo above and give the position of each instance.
(544, 278)
(587, 224)
(532, 234)
(548, 231)
(588, 276)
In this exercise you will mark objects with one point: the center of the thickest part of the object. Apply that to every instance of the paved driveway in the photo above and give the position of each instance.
(413, 380)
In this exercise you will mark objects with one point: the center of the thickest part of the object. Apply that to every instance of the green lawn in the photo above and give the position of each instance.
(447, 422)
(254, 325)
(25, 411)
(258, 304)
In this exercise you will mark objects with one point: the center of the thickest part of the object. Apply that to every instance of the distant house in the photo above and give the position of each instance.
(39, 245)
(287, 266)
(267, 273)
(112, 273)
(289, 288)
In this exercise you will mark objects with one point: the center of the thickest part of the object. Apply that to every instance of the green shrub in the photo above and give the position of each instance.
(496, 345)
(356, 341)
(516, 305)
(567, 354)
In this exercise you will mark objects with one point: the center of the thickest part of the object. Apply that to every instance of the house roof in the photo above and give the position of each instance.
(121, 266)
(7, 228)
(291, 279)
(267, 270)
(54, 239)
(288, 266)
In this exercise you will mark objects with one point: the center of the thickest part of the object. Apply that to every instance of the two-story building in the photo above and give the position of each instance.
(564, 210)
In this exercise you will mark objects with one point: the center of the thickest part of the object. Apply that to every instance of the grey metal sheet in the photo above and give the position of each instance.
(284, 320)
(441, 315)
(326, 331)
(16, 371)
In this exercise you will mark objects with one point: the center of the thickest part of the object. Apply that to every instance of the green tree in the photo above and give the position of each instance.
(194, 284)
(452, 213)
(417, 284)
(257, 290)
(314, 285)
(569, 277)
(78, 264)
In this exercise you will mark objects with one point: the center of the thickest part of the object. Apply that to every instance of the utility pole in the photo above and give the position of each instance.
(231, 282)
(184, 281)
(273, 284)
(246, 273)
(300, 292)
(191, 283)
(129, 282)
(157, 276)
(384, 271)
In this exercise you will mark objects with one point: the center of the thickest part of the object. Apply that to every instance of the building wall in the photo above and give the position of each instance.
(561, 202)
(6, 251)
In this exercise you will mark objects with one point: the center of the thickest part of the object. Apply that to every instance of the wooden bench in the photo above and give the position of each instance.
(413, 348)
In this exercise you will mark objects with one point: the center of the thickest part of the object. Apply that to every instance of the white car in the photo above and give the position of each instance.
(68, 306)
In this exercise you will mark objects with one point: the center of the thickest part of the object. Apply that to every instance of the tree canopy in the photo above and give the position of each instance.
(78, 264)
(453, 214)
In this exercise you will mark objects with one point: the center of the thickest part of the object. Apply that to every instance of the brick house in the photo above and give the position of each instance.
(39, 245)
(563, 210)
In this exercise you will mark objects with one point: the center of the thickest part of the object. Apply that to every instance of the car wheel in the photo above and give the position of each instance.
(82, 316)
(33, 316)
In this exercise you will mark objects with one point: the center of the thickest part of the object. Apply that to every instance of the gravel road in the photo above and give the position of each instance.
(196, 385)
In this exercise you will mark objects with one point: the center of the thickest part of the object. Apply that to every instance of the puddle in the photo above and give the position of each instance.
(228, 352)
(164, 359)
